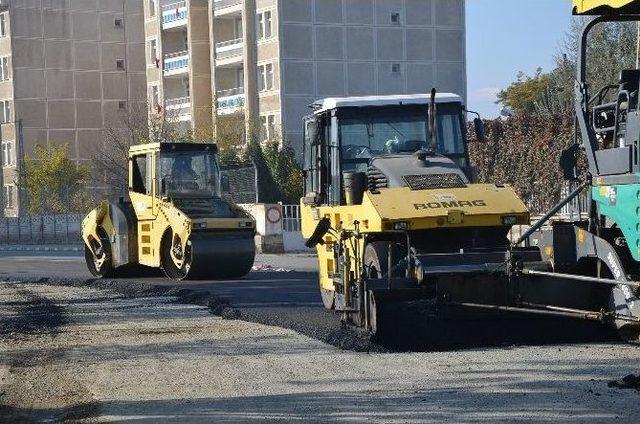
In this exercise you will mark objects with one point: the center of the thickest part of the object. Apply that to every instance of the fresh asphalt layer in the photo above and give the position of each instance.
(284, 292)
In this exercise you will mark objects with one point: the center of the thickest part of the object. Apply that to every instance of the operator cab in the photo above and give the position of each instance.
(615, 121)
(185, 174)
(383, 140)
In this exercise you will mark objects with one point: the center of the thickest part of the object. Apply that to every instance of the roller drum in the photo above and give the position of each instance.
(218, 255)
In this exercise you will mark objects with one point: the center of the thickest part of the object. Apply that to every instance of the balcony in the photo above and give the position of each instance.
(225, 7)
(230, 101)
(178, 109)
(174, 15)
(176, 63)
(229, 52)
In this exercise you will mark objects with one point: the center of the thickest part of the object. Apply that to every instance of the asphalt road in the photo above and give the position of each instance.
(78, 354)
(283, 292)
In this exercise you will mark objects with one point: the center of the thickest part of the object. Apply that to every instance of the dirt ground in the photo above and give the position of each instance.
(87, 355)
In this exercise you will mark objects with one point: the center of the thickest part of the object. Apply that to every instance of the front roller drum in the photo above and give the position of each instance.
(210, 255)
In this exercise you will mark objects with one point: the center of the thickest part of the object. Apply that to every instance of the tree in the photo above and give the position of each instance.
(134, 126)
(52, 182)
(230, 137)
(611, 47)
(286, 171)
(521, 95)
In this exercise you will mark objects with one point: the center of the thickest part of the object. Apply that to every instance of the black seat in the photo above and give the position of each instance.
(630, 82)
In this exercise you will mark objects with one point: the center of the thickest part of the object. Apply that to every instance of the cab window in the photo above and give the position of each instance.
(139, 174)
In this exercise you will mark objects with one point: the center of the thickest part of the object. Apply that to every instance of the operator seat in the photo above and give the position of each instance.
(626, 102)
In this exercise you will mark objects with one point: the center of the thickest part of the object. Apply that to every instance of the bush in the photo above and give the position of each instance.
(524, 151)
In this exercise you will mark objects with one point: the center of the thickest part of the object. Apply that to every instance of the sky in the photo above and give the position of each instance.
(507, 36)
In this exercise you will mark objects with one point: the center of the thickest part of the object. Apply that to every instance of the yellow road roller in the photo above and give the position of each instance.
(174, 218)
(393, 210)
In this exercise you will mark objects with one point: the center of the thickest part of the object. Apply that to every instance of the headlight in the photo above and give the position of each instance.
(509, 220)
(199, 226)
(401, 226)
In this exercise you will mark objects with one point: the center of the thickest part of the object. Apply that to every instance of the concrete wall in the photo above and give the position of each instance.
(348, 47)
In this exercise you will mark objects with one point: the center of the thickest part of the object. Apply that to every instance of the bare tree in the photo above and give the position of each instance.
(133, 126)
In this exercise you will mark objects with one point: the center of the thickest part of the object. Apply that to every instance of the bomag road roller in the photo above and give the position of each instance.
(393, 210)
(174, 218)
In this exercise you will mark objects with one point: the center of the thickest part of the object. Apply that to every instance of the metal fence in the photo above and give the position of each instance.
(46, 229)
(291, 220)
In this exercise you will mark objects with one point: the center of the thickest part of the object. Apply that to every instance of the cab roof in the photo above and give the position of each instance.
(605, 7)
(167, 147)
(330, 103)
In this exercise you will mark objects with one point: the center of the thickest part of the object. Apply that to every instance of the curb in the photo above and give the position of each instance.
(34, 248)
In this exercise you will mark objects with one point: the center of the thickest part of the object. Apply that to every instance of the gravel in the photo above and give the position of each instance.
(89, 355)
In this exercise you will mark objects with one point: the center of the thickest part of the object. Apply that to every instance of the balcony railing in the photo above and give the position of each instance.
(229, 100)
(229, 48)
(222, 4)
(178, 106)
(175, 61)
(174, 12)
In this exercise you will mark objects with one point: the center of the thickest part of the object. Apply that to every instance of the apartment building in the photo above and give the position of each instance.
(270, 59)
(68, 70)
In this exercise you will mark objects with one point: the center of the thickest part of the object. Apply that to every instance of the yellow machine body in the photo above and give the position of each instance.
(157, 219)
(599, 7)
(478, 205)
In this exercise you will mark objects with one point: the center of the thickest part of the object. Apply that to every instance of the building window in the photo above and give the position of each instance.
(268, 127)
(122, 105)
(5, 111)
(154, 60)
(5, 73)
(119, 23)
(395, 18)
(152, 8)
(7, 154)
(9, 193)
(265, 79)
(3, 24)
(120, 64)
(396, 68)
(265, 25)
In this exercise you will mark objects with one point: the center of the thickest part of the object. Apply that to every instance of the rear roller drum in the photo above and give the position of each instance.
(328, 298)
(98, 256)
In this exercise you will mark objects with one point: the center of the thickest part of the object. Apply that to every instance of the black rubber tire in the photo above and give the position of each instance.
(629, 334)
(328, 298)
(106, 270)
(376, 259)
(168, 266)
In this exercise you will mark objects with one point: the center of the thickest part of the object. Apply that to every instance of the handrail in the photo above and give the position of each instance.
(176, 54)
(179, 101)
(230, 92)
(174, 6)
(228, 43)
(221, 4)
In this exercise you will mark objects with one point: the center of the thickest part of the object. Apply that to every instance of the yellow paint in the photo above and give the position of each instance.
(581, 236)
(589, 6)
(483, 205)
(548, 251)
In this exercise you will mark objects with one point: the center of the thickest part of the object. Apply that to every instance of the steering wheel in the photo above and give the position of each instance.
(356, 151)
